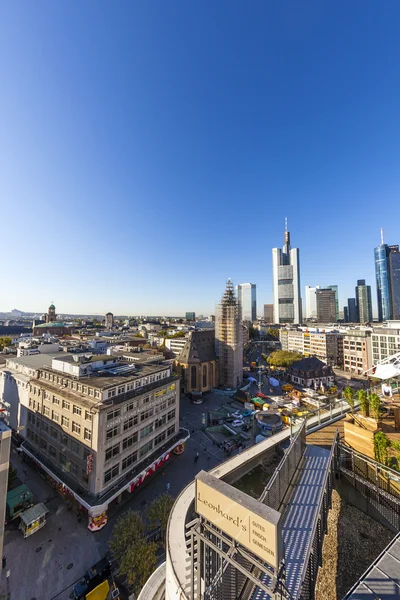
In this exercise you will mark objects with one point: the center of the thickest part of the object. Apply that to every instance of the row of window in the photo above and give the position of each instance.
(66, 405)
(71, 384)
(136, 384)
(132, 421)
(54, 433)
(129, 460)
(116, 412)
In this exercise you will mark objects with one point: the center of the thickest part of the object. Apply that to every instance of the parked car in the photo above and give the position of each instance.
(238, 423)
(237, 414)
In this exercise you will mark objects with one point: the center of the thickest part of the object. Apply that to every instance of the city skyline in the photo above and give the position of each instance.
(142, 145)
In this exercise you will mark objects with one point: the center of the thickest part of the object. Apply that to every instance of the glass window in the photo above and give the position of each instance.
(87, 435)
(76, 428)
(113, 472)
(130, 422)
(66, 405)
(77, 410)
(146, 431)
(75, 447)
(171, 415)
(129, 460)
(55, 416)
(129, 441)
(146, 415)
(54, 433)
(113, 413)
(160, 438)
(88, 416)
(121, 389)
(46, 411)
(160, 422)
(171, 430)
(111, 452)
(146, 448)
(112, 432)
(62, 459)
(52, 451)
(65, 421)
(56, 401)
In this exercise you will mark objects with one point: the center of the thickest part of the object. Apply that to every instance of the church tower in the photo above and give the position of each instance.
(51, 315)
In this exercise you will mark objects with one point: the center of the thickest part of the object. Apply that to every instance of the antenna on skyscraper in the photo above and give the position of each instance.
(381, 235)
(286, 224)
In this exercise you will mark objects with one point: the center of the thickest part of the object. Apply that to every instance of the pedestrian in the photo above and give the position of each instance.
(196, 458)
(4, 562)
(168, 486)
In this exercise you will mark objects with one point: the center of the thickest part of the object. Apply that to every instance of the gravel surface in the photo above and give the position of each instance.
(361, 540)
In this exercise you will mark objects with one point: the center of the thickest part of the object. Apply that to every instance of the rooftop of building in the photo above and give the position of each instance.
(36, 361)
(199, 347)
(311, 364)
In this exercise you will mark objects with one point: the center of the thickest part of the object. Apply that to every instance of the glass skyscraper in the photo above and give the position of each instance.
(387, 268)
(246, 295)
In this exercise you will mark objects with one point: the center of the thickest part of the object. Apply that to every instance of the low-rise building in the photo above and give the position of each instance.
(311, 372)
(176, 345)
(385, 341)
(325, 345)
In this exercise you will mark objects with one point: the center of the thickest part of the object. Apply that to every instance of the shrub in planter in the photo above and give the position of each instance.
(374, 406)
(364, 402)
(348, 395)
(381, 444)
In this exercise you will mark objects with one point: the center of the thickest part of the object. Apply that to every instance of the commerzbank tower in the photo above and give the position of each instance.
(286, 282)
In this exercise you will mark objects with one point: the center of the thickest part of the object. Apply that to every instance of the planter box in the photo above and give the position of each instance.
(362, 440)
(366, 422)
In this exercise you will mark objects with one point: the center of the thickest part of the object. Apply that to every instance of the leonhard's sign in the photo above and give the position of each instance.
(244, 519)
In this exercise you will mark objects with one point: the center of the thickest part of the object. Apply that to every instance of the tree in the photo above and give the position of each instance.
(138, 563)
(364, 402)
(158, 513)
(273, 333)
(5, 341)
(381, 444)
(348, 394)
(374, 406)
(12, 476)
(282, 358)
(127, 532)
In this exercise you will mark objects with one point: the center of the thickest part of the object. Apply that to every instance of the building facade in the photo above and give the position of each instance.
(352, 310)
(229, 339)
(357, 355)
(326, 305)
(51, 314)
(335, 288)
(197, 362)
(385, 342)
(269, 313)
(311, 302)
(394, 264)
(190, 316)
(5, 448)
(364, 302)
(325, 346)
(247, 298)
(286, 283)
(98, 426)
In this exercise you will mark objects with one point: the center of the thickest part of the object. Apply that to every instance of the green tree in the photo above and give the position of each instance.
(12, 476)
(282, 358)
(5, 341)
(374, 406)
(127, 532)
(138, 563)
(273, 333)
(364, 402)
(396, 447)
(158, 513)
(381, 444)
(348, 395)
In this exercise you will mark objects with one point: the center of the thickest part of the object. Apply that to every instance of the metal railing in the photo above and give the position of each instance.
(277, 487)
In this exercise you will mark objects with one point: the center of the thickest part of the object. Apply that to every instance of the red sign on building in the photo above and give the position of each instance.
(89, 464)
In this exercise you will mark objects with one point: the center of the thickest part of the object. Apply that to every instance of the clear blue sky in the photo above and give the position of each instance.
(150, 150)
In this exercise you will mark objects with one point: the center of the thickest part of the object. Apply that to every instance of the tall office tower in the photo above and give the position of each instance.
(336, 290)
(346, 314)
(352, 307)
(363, 302)
(246, 296)
(190, 316)
(311, 301)
(394, 268)
(326, 305)
(286, 282)
(385, 294)
(229, 339)
(269, 313)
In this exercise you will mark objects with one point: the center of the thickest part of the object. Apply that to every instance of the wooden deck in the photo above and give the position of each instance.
(324, 437)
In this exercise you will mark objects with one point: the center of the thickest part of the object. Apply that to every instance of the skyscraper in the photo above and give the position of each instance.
(326, 305)
(352, 310)
(229, 339)
(286, 282)
(363, 301)
(394, 264)
(246, 295)
(269, 313)
(311, 302)
(346, 314)
(336, 290)
(385, 294)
